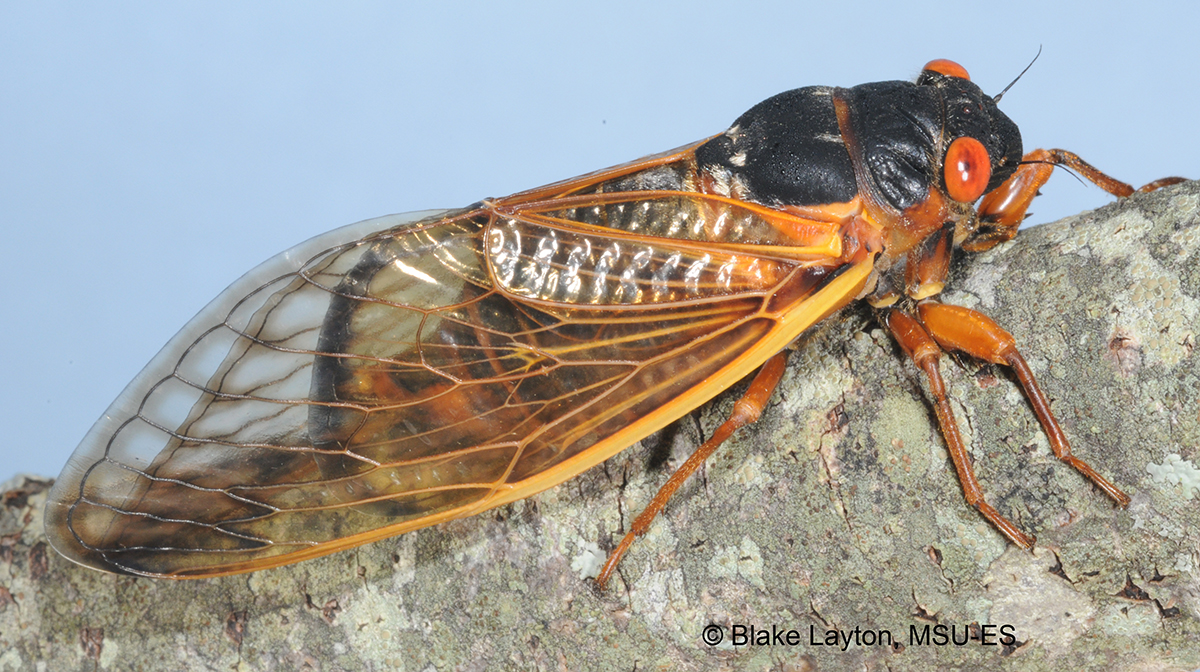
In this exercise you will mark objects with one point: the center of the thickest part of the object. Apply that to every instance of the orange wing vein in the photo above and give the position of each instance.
(412, 369)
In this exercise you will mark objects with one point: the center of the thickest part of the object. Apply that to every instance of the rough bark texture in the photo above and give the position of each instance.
(839, 510)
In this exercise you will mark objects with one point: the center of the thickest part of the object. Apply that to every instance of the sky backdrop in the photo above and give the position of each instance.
(152, 153)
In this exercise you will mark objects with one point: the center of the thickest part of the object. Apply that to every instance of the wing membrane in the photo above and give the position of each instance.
(414, 369)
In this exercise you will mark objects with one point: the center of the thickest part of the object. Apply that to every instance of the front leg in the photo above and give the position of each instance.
(926, 354)
(938, 327)
(973, 333)
(1003, 209)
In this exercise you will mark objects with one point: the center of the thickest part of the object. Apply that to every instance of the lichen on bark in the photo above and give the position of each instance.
(838, 510)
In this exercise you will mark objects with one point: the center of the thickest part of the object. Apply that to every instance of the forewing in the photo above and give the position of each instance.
(224, 403)
(441, 366)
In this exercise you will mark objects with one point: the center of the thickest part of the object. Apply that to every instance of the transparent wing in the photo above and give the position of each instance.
(412, 369)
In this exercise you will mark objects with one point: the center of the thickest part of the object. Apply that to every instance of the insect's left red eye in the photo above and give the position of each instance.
(968, 169)
(948, 68)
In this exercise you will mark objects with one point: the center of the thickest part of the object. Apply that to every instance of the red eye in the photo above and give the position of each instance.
(968, 169)
(948, 68)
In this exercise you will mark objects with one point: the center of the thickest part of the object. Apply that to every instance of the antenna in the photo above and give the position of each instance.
(1000, 95)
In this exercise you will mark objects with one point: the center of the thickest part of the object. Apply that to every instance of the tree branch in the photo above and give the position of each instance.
(838, 510)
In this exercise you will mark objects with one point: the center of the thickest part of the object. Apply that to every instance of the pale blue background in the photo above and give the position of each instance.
(150, 154)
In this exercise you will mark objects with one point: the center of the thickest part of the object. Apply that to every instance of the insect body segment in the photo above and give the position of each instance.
(414, 369)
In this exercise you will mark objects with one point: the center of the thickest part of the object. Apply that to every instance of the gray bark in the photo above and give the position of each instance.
(838, 510)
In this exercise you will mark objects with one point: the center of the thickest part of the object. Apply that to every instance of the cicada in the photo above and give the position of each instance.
(413, 369)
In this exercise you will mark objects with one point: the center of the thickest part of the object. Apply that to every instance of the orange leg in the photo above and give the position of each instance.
(926, 353)
(927, 265)
(958, 328)
(746, 411)
(1003, 209)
